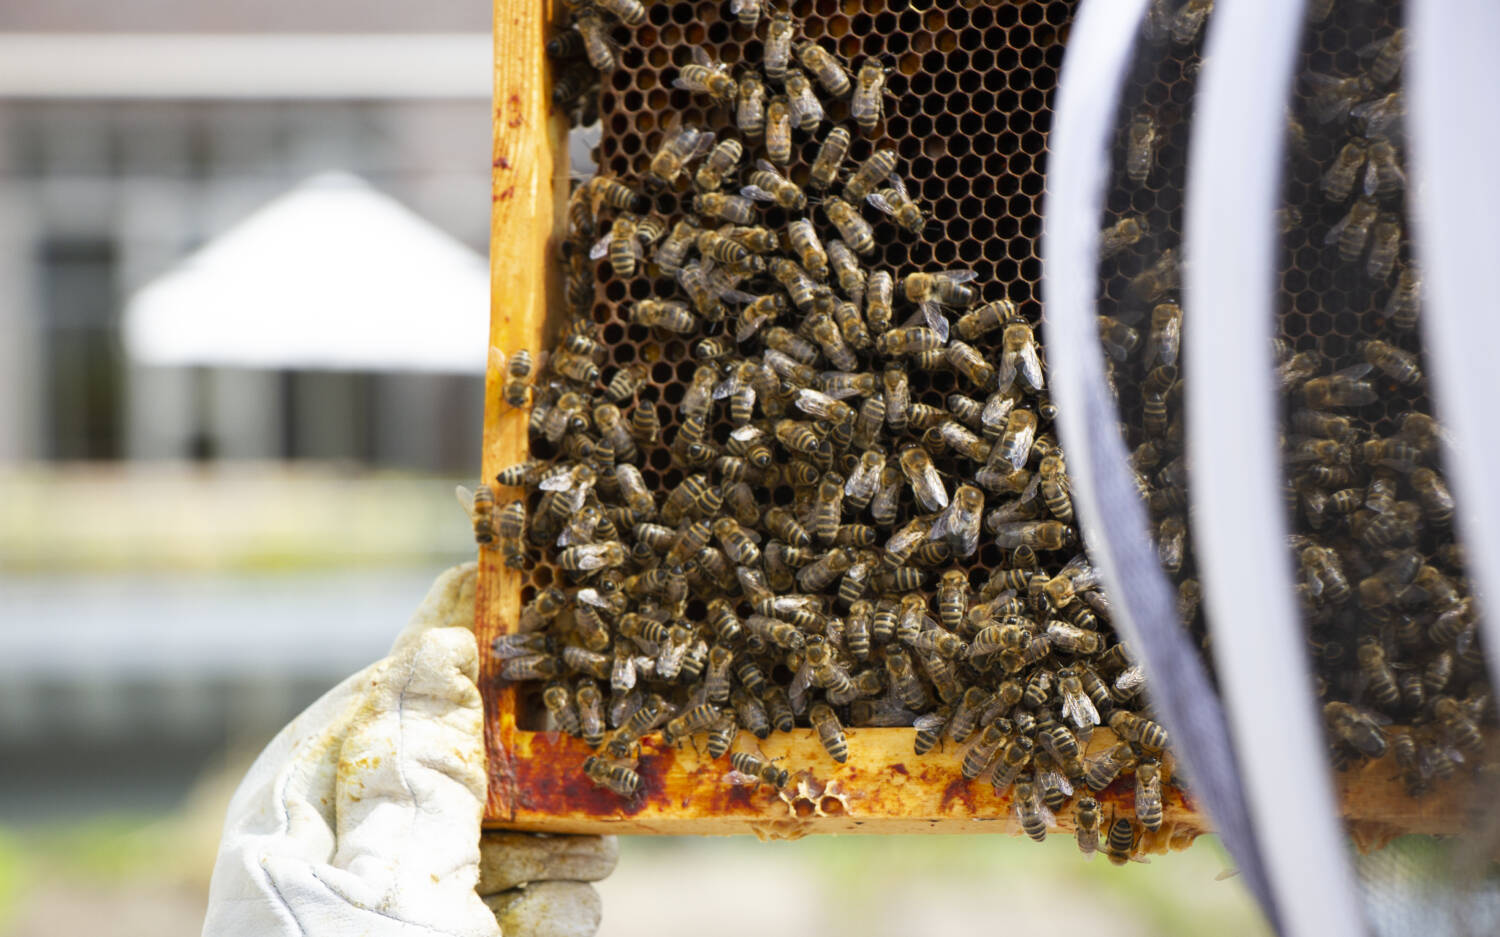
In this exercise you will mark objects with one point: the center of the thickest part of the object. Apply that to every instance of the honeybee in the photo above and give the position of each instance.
(590, 704)
(750, 102)
(1122, 234)
(899, 205)
(733, 208)
(672, 251)
(518, 379)
(1138, 729)
(766, 184)
(830, 732)
(779, 131)
(612, 776)
(1385, 244)
(805, 108)
(736, 543)
(512, 529)
(1377, 673)
(645, 426)
(878, 167)
(596, 42)
(1029, 811)
(559, 704)
(1086, 825)
(958, 524)
(1188, 21)
(867, 105)
(1140, 147)
(678, 148)
(879, 288)
(830, 74)
(1014, 757)
(620, 245)
(1397, 364)
(826, 333)
(1016, 442)
(1054, 487)
(747, 12)
(1381, 117)
(1338, 181)
(546, 606)
(1383, 173)
(1459, 723)
(854, 230)
(1352, 232)
(1359, 729)
(1120, 845)
(1171, 535)
(923, 478)
(784, 525)
(702, 76)
(520, 644)
(695, 720)
(480, 506)
(778, 50)
(1432, 493)
(1020, 357)
(932, 291)
(530, 667)
(721, 161)
(982, 750)
(1101, 769)
(671, 314)
(1148, 806)
(822, 571)
(1151, 284)
(1405, 300)
(1076, 705)
(629, 12)
(753, 769)
(1341, 389)
(804, 241)
(1165, 338)
(830, 158)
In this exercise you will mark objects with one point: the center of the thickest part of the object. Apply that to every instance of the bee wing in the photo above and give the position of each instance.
(930, 722)
(1371, 178)
(1031, 365)
(557, 481)
(756, 193)
(705, 141)
(801, 683)
(1380, 116)
(933, 314)
(465, 498)
(1332, 237)
(741, 779)
(959, 276)
(601, 246)
(796, 106)
(881, 203)
(1355, 372)
(591, 596)
(900, 187)
(1079, 709)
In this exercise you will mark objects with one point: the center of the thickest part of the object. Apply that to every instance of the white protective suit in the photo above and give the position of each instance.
(362, 816)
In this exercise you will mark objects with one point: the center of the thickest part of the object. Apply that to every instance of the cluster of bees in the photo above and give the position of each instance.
(1388, 606)
(1390, 619)
(795, 539)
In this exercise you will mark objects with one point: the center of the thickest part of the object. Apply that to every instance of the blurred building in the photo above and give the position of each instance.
(132, 134)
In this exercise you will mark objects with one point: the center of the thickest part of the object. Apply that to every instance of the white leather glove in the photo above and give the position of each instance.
(362, 816)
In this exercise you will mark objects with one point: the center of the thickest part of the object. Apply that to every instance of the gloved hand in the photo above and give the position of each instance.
(362, 816)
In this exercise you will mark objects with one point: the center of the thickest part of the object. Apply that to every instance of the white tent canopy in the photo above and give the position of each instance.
(332, 275)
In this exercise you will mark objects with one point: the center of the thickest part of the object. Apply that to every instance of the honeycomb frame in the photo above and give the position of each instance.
(534, 779)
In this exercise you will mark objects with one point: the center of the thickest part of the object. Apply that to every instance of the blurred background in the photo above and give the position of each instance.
(243, 308)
